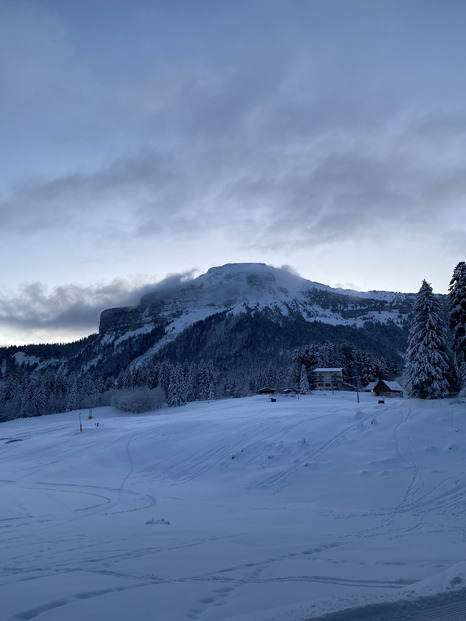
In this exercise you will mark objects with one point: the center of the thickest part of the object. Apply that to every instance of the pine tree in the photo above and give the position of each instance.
(292, 376)
(16, 403)
(165, 372)
(457, 305)
(303, 381)
(189, 372)
(153, 375)
(347, 360)
(9, 388)
(72, 395)
(209, 381)
(89, 394)
(38, 398)
(205, 380)
(184, 387)
(175, 387)
(428, 367)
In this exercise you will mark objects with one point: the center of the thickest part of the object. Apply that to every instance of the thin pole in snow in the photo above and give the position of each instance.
(80, 423)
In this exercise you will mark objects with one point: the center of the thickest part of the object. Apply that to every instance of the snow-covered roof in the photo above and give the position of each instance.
(392, 385)
(371, 385)
(326, 370)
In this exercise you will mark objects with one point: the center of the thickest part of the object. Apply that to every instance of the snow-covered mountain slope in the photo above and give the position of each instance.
(239, 317)
(237, 510)
(237, 288)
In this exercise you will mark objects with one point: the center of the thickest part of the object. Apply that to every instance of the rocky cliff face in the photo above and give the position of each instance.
(254, 286)
(125, 318)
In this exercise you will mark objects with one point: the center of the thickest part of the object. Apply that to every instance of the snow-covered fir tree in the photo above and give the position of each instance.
(175, 387)
(165, 372)
(303, 381)
(457, 305)
(190, 375)
(89, 393)
(428, 367)
(72, 395)
(33, 399)
(205, 380)
(184, 387)
(9, 388)
(152, 374)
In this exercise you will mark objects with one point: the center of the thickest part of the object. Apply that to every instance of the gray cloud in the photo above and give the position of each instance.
(69, 312)
(283, 134)
(68, 306)
(454, 240)
(263, 127)
(168, 286)
(319, 188)
(34, 51)
(54, 204)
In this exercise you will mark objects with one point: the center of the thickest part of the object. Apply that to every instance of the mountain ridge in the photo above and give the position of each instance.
(237, 316)
(236, 287)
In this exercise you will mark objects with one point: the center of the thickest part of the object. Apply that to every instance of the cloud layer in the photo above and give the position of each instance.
(158, 136)
(73, 310)
(321, 186)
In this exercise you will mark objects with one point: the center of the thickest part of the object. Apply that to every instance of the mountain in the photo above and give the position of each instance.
(244, 315)
(238, 316)
(238, 288)
(253, 307)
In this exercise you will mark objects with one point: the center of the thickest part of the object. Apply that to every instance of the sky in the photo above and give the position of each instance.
(145, 138)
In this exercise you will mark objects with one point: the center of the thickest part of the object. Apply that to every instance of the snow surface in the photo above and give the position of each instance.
(21, 358)
(238, 510)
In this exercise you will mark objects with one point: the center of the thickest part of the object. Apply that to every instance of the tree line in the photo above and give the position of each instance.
(148, 386)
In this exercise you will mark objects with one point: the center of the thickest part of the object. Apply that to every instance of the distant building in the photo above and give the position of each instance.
(266, 391)
(329, 378)
(386, 388)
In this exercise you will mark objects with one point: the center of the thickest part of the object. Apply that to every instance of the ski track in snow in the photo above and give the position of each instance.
(264, 449)
(446, 607)
(225, 585)
(279, 481)
(416, 499)
(416, 483)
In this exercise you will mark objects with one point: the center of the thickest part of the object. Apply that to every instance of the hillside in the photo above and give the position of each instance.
(236, 510)
(250, 289)
(239, 317)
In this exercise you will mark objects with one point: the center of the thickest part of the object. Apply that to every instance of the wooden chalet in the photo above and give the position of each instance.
(386, 388)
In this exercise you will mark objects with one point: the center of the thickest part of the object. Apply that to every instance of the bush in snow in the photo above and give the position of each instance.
(140, 399)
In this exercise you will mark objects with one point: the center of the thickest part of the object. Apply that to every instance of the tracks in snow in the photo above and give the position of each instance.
(448, 496)
(280, 480)
(442, 607)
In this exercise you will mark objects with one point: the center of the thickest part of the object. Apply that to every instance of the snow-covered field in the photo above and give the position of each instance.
(233, 510)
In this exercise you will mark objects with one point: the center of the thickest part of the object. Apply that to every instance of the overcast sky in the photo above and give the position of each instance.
(142, 138)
